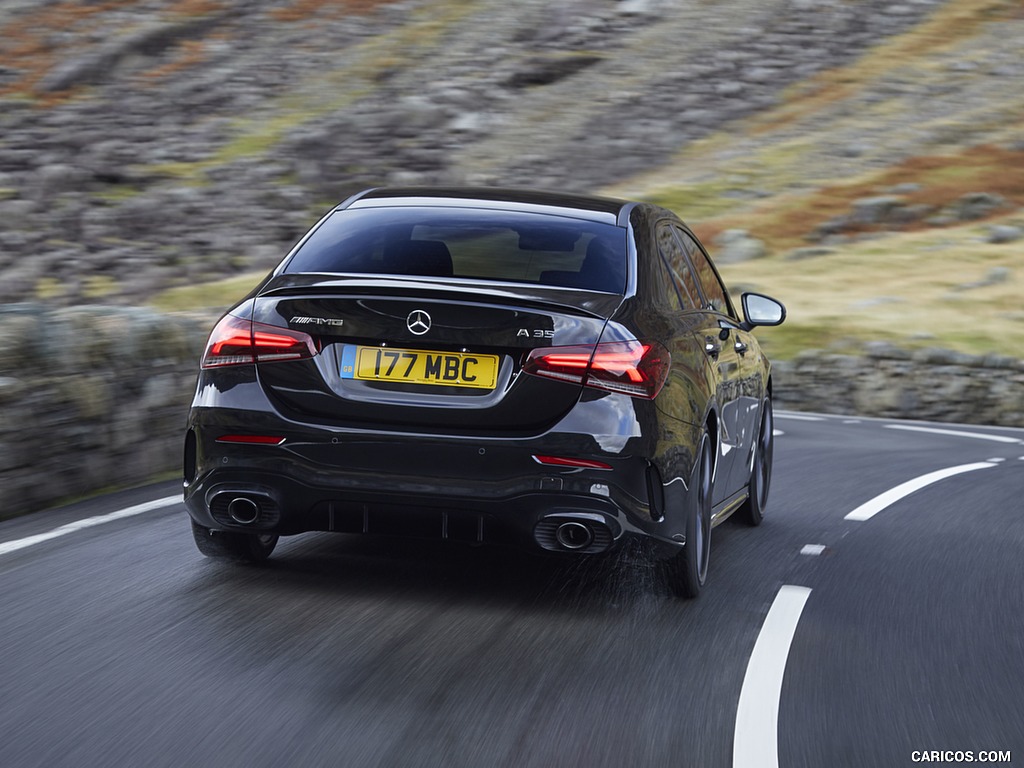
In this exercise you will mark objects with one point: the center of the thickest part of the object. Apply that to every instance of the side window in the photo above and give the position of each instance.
(714, 291)
(679, 268)
(664, 294)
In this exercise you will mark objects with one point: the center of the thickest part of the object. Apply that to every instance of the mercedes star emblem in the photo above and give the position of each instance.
(418, 322)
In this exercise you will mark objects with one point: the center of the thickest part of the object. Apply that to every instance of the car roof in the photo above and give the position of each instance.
(590, 207)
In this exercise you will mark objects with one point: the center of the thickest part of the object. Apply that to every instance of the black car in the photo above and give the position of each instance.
(486, 365)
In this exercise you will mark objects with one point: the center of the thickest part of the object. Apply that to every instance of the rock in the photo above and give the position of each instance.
(736, 245)
(546, 70)
(907, 188)
(876, 301)
(834, 226)
(798, 254)
(875, 210)
(729, 236)
(631, 7)
(855, 149)
(56, 179)
(1004, 233)
(975, 205)
(908, 214)
(886, 350)
(995, 276)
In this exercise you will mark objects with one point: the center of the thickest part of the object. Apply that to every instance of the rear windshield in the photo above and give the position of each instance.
(509, 246)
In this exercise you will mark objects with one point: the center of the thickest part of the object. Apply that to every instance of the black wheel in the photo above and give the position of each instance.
(240, 547)
(688, 569)
(752, 511)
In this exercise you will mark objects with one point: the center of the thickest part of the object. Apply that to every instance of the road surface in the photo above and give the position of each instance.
(876, 618)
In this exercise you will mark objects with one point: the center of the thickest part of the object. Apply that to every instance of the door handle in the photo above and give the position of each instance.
(740, 347)
(712, 348)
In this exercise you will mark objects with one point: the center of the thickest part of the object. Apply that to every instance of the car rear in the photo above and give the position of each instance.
(434, 366)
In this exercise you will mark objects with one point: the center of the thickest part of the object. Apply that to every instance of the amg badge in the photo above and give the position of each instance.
(299, 320)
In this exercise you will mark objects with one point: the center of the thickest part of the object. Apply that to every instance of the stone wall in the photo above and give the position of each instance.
(90, 397)
(886, 381)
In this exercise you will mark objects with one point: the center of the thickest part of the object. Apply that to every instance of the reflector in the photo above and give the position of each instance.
(251, 439)
(565, 461)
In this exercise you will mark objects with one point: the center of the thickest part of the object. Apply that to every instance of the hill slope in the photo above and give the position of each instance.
(145, 145)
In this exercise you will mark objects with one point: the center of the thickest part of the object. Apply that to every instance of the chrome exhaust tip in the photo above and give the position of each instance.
(244, 511)
(573, 535)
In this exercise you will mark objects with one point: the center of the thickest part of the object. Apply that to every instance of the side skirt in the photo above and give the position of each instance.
(723, 509)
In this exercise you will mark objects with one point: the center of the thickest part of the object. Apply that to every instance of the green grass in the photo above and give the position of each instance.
(219, 294)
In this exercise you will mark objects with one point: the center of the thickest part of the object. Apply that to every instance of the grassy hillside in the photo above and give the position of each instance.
(170, 151)
(925, 118)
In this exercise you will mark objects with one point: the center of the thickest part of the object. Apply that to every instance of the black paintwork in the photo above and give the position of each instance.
(417, 460)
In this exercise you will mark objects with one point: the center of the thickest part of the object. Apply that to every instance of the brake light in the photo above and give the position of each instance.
(236, 341)
(635, 368)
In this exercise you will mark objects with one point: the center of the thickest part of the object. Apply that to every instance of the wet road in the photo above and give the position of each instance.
(120, 645)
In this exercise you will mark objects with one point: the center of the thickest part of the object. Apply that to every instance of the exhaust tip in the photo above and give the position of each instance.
(573, 535)
(244, 511)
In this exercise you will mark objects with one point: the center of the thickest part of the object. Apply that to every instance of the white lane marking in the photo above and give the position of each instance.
(756, 741)
(955, 433)
(812, 549)
(797, 416)
(29, 541)
(996, 460)
(869, 509)
(777, 432)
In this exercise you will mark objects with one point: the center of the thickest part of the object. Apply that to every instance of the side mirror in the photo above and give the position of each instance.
(761, 310)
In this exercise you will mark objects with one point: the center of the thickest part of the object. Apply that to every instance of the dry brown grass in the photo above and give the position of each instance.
(195, 7)
(784, 221)
(25, 42)
(187, 54)
(952, 23)
(914, 289)
(306, 10)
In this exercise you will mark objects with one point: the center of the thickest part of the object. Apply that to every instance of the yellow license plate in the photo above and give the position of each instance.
(418, 366)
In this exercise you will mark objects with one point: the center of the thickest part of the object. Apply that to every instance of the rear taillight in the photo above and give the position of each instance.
(635, 368)
(236, 341)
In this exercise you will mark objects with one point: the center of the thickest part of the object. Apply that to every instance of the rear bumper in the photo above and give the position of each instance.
(284, 506)
(465, 489)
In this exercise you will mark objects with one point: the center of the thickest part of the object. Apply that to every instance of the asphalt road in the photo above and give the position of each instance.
(120, 645)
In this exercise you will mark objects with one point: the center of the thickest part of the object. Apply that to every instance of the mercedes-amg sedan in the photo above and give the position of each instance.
(486, 365)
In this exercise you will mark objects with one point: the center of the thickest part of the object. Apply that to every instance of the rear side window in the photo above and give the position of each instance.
(714, 291)
(675, 258)
(481, 244)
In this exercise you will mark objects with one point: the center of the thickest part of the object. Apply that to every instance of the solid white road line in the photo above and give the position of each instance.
(869, 509)
(756, 741)
(797, 416)
(89, 522)
(955, 433)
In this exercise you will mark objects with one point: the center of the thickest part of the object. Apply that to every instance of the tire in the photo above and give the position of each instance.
(688, 569)
(752, 511)
(239, 547)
